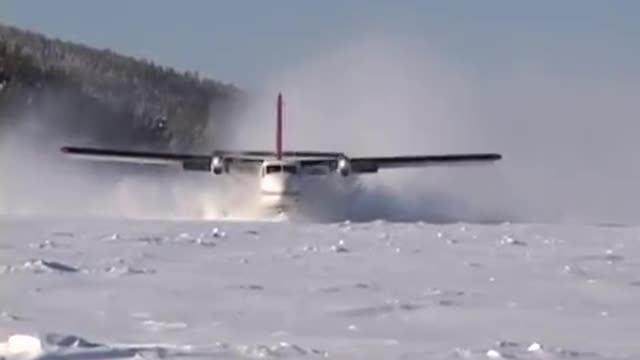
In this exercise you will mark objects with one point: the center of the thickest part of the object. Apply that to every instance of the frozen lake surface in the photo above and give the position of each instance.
(101, 289)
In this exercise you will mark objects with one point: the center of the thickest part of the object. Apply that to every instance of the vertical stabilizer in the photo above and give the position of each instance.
(279, 128)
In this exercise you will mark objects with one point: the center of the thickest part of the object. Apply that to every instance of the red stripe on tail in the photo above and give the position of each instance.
(279, 128)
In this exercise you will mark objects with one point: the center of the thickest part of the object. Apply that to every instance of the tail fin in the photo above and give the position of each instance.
(279, 128)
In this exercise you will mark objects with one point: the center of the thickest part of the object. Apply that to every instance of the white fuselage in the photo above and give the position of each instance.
(286, 189)
(279, 185)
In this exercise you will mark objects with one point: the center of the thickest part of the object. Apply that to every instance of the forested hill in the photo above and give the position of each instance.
(99, 97)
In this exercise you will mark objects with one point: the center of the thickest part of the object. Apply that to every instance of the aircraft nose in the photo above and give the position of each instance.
(280, 185)
(279, 192)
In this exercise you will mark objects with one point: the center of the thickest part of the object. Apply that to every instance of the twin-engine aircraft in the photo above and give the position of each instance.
(282, 174)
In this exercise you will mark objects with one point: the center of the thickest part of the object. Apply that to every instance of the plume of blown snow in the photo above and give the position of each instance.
(567, 137)
(375, 98)
(38, 180)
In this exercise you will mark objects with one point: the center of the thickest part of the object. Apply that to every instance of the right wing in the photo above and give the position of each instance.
(186, 161)
(194, 162)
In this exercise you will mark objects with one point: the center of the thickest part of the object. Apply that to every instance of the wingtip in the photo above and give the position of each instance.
(67, 149)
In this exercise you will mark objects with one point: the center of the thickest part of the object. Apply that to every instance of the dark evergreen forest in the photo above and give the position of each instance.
(100, 98)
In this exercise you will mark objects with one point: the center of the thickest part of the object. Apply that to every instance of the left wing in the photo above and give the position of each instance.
(374, 164)
(369, 163)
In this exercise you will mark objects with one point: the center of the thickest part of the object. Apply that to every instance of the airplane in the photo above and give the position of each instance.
(285, 177)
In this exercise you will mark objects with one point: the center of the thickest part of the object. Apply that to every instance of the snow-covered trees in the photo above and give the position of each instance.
(101, 96)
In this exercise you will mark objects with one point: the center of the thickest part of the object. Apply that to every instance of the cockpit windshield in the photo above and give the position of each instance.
(290, 169)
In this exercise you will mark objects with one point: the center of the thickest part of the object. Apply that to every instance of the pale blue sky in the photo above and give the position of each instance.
(242, 41)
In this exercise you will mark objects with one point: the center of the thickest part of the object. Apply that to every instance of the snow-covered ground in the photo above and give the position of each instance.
(94, 289)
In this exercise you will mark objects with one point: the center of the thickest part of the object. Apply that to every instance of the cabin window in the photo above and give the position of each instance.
(272, 169)
(290, 169)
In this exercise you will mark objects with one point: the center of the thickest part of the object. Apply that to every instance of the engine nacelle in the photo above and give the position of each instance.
(343, 168)
(217, 165)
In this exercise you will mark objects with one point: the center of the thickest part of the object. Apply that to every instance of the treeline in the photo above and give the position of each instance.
(99, 97)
